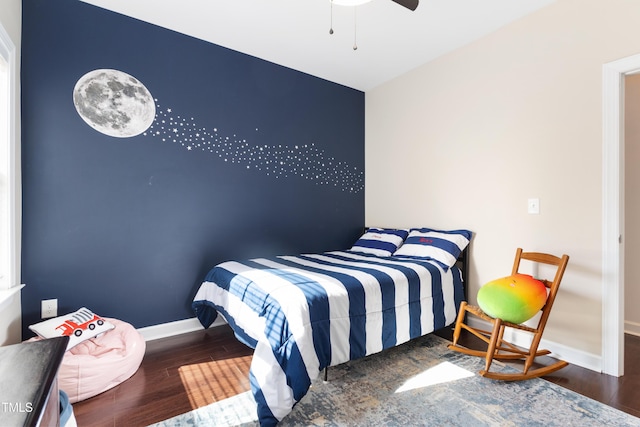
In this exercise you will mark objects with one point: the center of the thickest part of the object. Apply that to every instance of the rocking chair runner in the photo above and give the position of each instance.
(497, 347)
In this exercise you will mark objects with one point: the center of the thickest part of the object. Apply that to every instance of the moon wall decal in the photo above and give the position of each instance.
(114, 103)
(117, 104)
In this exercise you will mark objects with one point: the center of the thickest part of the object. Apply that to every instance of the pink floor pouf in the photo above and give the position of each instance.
(101, 363)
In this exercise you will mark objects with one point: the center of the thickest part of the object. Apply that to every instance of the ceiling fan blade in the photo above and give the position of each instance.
(409, 4)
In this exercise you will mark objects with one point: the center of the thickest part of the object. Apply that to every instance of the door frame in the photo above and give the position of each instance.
(613, 74)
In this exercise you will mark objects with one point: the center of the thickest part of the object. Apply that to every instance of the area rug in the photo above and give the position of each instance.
(420, 383)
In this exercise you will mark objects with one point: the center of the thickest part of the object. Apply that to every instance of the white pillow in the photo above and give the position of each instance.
(79, 326)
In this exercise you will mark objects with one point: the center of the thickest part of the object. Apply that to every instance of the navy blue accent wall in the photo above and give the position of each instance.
(244, 158)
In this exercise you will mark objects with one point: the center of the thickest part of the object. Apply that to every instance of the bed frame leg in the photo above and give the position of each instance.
(326, 374)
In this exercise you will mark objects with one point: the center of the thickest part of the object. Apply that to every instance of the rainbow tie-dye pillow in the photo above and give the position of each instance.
(514, 299)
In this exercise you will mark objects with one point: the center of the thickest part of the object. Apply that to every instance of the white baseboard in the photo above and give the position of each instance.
(560, 351)
(632, 328)
(178, 327)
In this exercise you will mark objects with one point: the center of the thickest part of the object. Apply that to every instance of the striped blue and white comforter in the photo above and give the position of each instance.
(304, 313)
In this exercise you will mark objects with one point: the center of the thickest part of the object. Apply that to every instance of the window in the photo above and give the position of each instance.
(8, 234)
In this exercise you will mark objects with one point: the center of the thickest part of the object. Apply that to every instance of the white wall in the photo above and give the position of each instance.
(464, 141)
(10, 312)
(632, 204)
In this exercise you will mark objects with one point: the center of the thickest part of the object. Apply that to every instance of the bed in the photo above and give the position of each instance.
(307, 312)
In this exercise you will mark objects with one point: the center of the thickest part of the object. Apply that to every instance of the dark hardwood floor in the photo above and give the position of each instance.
(177, 375)
(191, 370)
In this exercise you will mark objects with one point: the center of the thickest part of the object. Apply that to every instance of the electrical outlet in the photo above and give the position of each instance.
(49, 308)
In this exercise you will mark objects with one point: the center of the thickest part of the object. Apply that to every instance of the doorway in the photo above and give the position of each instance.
(631, 205)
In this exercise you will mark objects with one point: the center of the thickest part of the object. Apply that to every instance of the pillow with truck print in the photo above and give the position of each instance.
(79, 326)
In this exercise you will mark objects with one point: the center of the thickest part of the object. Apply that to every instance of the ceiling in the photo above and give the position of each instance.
(391, 40)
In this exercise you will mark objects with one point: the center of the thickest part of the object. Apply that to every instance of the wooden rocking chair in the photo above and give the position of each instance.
(497, 347)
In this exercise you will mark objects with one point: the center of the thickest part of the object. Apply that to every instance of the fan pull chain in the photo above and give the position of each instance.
(355, 27)
(331, 27)
(355, 24)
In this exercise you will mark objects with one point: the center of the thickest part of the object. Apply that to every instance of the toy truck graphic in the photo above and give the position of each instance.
(80, 321)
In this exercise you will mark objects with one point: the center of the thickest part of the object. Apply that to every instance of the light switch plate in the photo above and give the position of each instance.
(533, 206)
